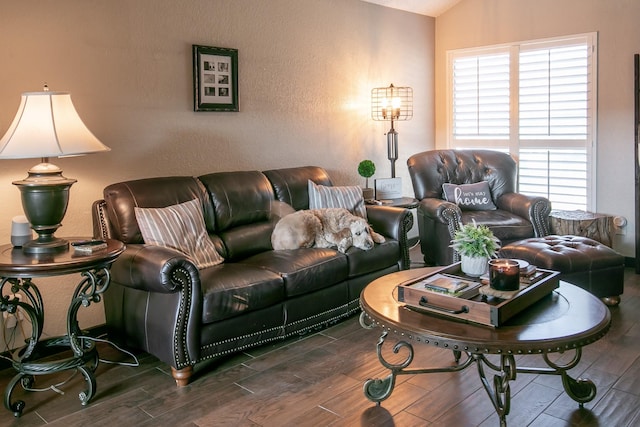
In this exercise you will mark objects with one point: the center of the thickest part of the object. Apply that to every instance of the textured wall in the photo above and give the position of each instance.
(306, 71)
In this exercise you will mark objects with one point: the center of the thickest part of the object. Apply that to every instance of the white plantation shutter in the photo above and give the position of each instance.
(481, 97)
(537, 101)
(557, 174)
(554, 91)
(555, 122)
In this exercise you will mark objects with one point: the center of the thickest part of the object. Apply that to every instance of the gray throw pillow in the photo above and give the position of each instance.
(348, 197)
(471, 197)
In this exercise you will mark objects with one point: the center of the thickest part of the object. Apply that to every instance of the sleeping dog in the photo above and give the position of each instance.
(324, 228)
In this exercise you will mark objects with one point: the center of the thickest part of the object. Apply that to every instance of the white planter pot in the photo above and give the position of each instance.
(474, 266)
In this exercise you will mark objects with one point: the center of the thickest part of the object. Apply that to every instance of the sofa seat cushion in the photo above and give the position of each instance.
(382, 255)
(303, 270)
(504, 225)
(231, 289)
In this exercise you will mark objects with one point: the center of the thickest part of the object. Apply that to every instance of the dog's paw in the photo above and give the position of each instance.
(344, 244)
(378, 238)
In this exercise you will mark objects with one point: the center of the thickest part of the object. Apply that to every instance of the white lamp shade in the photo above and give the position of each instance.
(47, 125)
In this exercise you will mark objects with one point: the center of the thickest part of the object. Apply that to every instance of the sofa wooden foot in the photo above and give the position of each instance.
(182, 376)
(611, 301)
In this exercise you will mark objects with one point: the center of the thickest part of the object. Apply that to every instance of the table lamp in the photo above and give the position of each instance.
(46, 125)
(392, 104)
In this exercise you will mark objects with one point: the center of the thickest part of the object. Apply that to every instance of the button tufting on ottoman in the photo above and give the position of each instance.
(581, 261)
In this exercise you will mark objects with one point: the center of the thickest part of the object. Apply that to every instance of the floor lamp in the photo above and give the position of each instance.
(392, 104)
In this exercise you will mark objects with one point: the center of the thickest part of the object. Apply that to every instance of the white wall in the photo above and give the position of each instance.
(477, 23)
(306, 69)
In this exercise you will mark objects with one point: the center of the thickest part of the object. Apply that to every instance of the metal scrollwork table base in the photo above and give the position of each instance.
(565, 320)
(17, 271)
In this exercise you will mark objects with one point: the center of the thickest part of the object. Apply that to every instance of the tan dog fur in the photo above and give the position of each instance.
(324, 228)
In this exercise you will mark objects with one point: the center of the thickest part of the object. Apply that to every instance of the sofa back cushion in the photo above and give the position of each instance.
(290, 185)
(242, 203)
(122, 198)
(430, 169)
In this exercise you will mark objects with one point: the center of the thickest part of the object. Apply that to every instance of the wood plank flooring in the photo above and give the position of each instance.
(316, 380)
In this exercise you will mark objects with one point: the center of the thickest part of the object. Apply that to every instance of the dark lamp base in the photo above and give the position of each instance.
(45, 246)
(45, 196)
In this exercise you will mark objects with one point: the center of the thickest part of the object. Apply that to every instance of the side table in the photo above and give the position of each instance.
(402, 202)
(595, 226)
(17, 270)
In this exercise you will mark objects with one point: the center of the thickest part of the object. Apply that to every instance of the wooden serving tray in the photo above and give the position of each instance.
(470, 305)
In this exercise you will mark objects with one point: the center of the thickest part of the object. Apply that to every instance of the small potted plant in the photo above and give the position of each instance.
(476, 244)
(366, 169)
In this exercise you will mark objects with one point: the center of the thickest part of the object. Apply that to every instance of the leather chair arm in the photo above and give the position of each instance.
(535, 209)
(153, 269)
(393, 222)
(442, 211)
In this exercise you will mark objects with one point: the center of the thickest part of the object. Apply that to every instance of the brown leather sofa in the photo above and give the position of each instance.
(517, 216)
(158, 301)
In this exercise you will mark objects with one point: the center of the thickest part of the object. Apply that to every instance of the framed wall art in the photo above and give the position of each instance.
(215, 79)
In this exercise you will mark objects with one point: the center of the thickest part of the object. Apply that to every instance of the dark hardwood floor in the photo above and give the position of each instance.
(316, 380)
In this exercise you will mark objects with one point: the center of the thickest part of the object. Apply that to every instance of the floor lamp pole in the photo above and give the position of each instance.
(392, 149)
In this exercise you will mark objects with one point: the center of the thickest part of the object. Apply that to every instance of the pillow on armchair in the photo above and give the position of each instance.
(471, 197)
(180, 227)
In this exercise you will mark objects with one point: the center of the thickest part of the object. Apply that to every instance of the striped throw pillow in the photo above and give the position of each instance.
(350, 198)
(180, 227)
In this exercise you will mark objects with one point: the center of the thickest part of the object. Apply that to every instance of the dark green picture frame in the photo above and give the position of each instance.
(215, 79)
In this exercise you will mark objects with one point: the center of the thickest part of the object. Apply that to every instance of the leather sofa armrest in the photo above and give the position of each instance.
(101, 227)
(388, 220)
(395, 223)
(535, 209)
(153, 269)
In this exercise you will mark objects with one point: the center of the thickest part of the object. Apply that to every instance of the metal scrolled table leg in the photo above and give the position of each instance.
(85, 357)
(581, 390)
(378, 390)
(500, 391)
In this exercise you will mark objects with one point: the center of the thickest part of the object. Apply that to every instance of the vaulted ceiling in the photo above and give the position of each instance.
(423, 7)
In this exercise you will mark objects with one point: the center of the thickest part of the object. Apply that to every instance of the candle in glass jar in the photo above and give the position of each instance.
(504, 274)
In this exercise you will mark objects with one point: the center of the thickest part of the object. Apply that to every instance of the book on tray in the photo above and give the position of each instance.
(448, 284)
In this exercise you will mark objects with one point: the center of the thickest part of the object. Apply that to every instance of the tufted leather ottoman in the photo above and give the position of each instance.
(581, 261)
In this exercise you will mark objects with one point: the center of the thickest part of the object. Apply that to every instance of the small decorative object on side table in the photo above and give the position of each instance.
(366, 169)
(17, 269)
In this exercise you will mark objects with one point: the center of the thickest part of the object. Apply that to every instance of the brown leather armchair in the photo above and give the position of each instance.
(517, 216)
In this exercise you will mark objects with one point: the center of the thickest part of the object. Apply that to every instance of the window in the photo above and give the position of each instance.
(537, 101)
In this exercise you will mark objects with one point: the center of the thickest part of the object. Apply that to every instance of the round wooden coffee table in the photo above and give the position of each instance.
(566, 319)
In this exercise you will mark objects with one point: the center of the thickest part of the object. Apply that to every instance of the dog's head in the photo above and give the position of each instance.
(363, 236)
